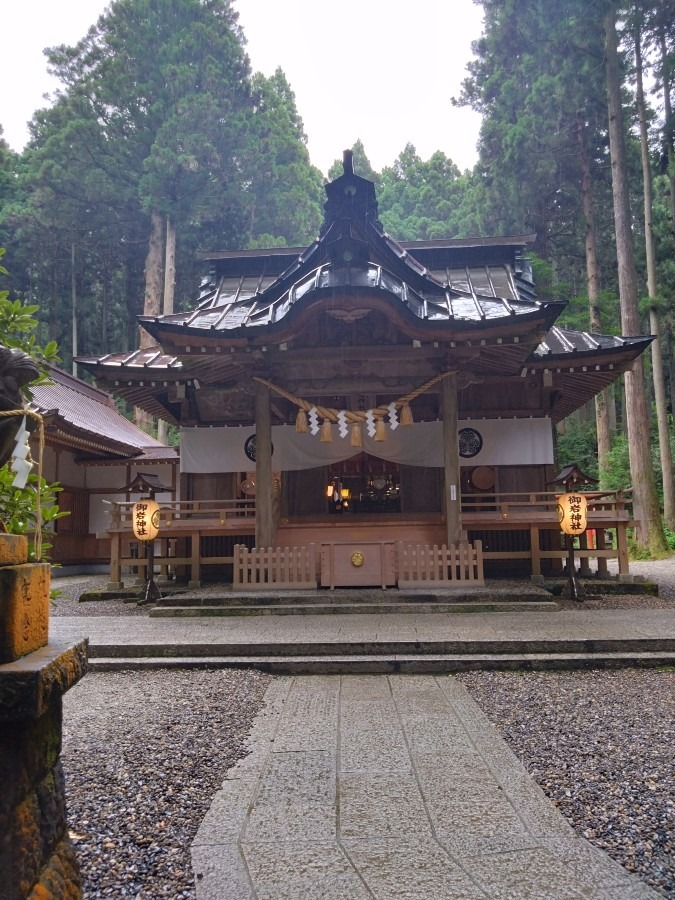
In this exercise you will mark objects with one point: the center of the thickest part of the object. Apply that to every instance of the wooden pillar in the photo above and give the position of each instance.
(264, 514)
(451, 486)
(195, 560)
(535, 553)
(602, 545)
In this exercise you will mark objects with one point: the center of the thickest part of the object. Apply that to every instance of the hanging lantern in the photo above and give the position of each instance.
(326, 432)
(355, 436)
(329, 490)
(406, 415)
(145, 519)
(572, 509)
(301, 425)
(380, 430)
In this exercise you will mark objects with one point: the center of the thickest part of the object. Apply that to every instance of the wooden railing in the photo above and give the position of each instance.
(187, 514)
(423, 565)
(529, 518)
(542, 505)
(268, 568)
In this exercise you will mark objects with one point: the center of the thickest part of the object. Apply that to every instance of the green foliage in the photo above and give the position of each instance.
(578, 445)
(419, 200)
(616, 476)
(19, 506)
(670, 537)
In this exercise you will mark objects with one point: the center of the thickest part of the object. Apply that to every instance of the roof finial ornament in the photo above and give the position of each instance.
(348, 162)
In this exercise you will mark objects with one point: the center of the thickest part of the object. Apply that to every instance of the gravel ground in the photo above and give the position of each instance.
(143, 755)
(602, 746)
(660, 571)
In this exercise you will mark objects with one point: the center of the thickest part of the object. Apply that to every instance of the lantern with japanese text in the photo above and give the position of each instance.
(145, 519)
(572, 513)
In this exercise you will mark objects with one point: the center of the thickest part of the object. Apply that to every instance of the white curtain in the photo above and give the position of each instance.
(491, 442)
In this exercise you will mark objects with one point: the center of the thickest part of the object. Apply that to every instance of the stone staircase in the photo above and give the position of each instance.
(386, 656)
(225, 602)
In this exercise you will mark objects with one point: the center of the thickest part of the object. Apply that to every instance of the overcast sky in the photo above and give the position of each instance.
(380, 70)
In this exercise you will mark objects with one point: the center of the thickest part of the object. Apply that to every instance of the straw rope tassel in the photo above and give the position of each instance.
(328, 414)
(301, 425)
(355, 435)
(41, 447)
(326, 432)
(380, 430)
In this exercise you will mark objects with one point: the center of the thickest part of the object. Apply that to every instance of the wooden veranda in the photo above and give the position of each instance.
(198, 539)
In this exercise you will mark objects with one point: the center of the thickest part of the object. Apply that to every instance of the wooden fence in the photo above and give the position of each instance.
(422, 565)
(274, 568)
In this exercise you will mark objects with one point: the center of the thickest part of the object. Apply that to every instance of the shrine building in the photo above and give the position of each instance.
(363, 404)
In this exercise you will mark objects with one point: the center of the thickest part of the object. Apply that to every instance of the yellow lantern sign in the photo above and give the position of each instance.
(145, 520)
(572, 509)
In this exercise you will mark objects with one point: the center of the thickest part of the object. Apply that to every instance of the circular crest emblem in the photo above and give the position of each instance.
(470, 442)
(249, 447)
(154, 518)
(357, 559)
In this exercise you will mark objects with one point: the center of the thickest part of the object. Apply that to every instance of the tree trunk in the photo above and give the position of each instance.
(593, 287)
(152, 301)
(645, 504)
(167, 306)
(654, 318)
(73, 294)
(169, 268)
(668, 119)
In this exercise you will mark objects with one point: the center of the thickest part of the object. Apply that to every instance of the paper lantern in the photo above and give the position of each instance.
(572, 509)
(145, 520)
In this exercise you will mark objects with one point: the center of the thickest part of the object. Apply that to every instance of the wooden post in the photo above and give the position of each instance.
(535, 554)
(264, 514)
(195, 560)
(602, 545)
(451, 486)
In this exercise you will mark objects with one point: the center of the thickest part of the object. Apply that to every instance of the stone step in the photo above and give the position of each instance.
(430, 664)
(304, 609)
(391, 649)
(341, 597)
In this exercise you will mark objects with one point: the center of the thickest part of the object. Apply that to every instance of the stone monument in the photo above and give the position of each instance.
(37, 859)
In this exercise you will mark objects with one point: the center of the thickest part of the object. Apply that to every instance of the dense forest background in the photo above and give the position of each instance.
(162, 143)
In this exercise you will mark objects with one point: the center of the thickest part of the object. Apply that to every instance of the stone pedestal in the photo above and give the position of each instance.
(37, 859)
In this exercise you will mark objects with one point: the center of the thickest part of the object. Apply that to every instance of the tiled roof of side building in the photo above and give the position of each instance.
(91, 412)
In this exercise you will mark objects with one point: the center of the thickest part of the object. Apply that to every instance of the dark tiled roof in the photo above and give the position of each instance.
(562, 342)
(89, 414)
(464, 295)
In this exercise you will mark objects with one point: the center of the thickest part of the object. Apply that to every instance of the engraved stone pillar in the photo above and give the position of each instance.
(37, 858)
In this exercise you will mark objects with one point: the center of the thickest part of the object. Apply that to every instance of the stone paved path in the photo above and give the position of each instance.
(579, 624)
(389, 787)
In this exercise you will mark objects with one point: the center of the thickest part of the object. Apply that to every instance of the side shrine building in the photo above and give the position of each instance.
(380, 412)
